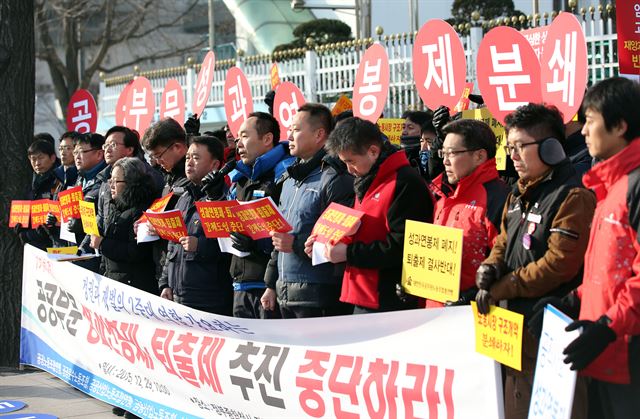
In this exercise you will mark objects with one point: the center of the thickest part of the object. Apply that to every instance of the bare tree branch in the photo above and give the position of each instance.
(104, 46)
(154, 55)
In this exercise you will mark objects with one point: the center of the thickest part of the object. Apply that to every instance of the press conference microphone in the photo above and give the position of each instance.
(226, 169)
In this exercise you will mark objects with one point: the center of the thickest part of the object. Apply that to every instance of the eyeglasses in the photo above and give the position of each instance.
(107, 146)
(162, 154)
(112, 181)
(450, 153)
(518, 147)
(82, 152)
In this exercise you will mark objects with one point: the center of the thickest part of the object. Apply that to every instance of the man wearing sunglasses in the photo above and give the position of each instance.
(544, 235)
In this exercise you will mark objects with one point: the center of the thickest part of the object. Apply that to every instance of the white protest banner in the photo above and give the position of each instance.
(158, 359)
(554, 383)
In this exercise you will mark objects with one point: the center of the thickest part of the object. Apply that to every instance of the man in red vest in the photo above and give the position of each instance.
(389, 191)
(608, 301)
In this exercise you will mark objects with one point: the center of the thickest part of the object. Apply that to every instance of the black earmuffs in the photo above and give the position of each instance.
(551, 152)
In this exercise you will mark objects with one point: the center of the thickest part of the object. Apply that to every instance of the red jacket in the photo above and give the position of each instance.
(374, 258)
(611, 283)
(475, 206)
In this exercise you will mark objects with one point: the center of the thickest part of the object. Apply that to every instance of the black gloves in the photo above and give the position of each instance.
(486, 275)
(213, 185)
(465, 298)
(593, 340)
(483, 300)
(242, 243)
(75, 226)
(17, 229)
(51, 220)
(569, 305)
(440, 119)
(20, 232)
(192, 126)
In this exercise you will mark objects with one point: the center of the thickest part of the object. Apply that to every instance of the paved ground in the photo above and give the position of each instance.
(44, 393)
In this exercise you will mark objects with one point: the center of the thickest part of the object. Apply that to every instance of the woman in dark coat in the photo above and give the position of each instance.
(123, 259)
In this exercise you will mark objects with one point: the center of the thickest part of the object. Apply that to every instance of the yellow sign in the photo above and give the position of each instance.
(484, 115)
(88, 215)
(343, 104)
(499, 335)
(431, 261)
(70, 250)
(392, 128)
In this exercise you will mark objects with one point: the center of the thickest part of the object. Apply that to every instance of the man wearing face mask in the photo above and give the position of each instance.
(470, 196)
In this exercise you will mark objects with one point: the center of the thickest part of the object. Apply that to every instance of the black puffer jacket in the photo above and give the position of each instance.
(125, 260)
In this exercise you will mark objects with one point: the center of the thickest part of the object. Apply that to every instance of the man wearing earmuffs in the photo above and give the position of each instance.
(544, 235)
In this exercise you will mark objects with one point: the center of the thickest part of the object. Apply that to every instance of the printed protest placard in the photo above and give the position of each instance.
(499, 335)
(82, 113)
(20, 213)
(39, 211)
(259, 217)
(343, 104)
(463, 103)
(88, 216)
(554, 383)
(372, 84)
(70, 202)
(628, 36)
(168, 224)
(335, 223)
(432, 261)
(217, 218)
(392, 128)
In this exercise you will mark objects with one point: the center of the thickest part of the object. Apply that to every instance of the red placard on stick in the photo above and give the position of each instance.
(372, 84)
(336, 222)
(121, 105)
(82, 112)
(564, 65)
(217, 219)
(439, 64)
(20, 213)
(259, 217)
(508, 72)
(203, 84)
(169, 224)
(70, 203)
(285, 105)
(238, 102)
(172, 101)
(140, 104)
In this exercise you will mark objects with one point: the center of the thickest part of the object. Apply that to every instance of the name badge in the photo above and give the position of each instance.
(258, 194)
(534, 218)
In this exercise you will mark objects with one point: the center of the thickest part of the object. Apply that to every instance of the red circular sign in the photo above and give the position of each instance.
(238, 102)
(203, 84)
(508, 72)
(564, 68)
(140, 105)
(121, 105)
(172, 102)
(439, 64)
(372, 84)
(285, 104)
(82, 113)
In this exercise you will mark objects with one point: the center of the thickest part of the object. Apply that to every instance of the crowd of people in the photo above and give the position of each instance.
(558, 226)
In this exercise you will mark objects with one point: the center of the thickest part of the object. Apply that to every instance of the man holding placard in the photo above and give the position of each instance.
(470, 196)
(608, 348)
(262, 160)
(544, 233)
(196, 272)
(389, 192)
(311, 184)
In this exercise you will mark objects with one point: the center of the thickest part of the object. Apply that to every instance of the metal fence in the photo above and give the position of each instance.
(326, 72)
